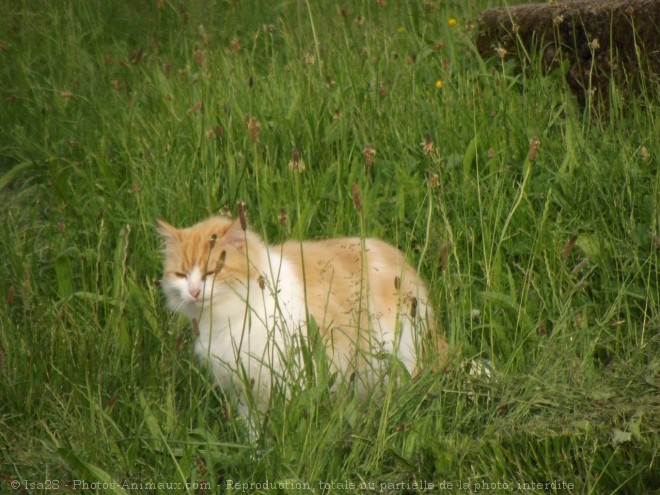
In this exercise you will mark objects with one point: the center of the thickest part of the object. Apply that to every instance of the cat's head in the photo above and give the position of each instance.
(206, 262)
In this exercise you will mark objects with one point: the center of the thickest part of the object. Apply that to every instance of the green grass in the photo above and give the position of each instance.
(116, 113)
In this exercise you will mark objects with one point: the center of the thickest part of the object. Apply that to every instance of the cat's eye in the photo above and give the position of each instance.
(180, 275)
(210, 274)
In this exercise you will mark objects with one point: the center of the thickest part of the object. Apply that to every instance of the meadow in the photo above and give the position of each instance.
(535, 224)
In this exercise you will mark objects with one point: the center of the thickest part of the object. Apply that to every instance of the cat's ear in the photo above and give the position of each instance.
(168, 231)
(235, 235)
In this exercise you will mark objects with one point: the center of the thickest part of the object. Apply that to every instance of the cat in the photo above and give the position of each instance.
(250, 304)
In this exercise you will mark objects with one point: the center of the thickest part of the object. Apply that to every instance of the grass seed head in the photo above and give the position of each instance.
(220, 264)
(200, 58)
(136, 56)
(444, 257)
(194, 108)
(433, 180)
(253, 126)
(201, 465)
(369, 153)
(283, 218)
(429, 6)
(542, 330)
(413, 307)
(242, 215)
(427, 144)
(357, 201)
(577, 269)
(655, 239)
(568, 247)
(533, 149)
(296, 164)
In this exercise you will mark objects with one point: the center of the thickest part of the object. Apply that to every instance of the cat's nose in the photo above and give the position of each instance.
(194, 291)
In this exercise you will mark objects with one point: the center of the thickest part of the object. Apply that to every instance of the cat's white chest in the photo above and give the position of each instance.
(253, 330)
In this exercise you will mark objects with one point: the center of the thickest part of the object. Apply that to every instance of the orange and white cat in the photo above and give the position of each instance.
(251, 304)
